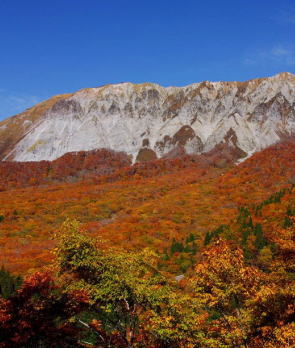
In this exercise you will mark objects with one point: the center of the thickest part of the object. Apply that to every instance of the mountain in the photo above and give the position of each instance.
(148, 121)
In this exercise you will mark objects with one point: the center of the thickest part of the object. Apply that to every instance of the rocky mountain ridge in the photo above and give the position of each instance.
(148, 121)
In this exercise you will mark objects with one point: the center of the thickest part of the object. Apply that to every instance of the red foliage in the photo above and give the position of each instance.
(70, 167)
(39, 312)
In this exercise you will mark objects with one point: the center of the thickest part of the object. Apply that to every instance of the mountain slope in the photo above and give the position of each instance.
(149, 204)
(148, 121)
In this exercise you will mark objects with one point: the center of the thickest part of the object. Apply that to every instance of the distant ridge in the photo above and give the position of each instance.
(148, 121)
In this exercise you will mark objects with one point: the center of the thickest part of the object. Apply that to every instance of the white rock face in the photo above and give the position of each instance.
(126, 117)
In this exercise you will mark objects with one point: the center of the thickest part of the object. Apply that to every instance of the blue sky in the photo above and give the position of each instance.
(60, 46)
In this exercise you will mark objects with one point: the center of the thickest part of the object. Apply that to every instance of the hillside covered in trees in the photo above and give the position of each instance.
(193, 251)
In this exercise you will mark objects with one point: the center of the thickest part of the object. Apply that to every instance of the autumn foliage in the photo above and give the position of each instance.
(109, 280)
(39, 312)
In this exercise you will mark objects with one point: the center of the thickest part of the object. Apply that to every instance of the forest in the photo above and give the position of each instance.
(194, 251)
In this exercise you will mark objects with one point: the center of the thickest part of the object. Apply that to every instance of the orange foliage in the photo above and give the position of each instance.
(148, 204)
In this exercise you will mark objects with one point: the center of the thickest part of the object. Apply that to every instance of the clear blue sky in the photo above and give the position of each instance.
(59, 46)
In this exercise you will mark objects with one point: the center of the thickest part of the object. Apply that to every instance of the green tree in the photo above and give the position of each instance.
(260, 241)
(8, 283)
(126, 289)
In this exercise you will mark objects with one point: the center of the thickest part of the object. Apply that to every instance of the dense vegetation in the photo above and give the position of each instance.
(114, 298)
(172, 253)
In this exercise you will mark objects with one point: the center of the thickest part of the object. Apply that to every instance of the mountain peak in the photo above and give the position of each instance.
(136, 118)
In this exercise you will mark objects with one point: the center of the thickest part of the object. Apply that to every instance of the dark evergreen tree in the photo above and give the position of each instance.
(260, 240)
(8, 283)
(287, 222)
